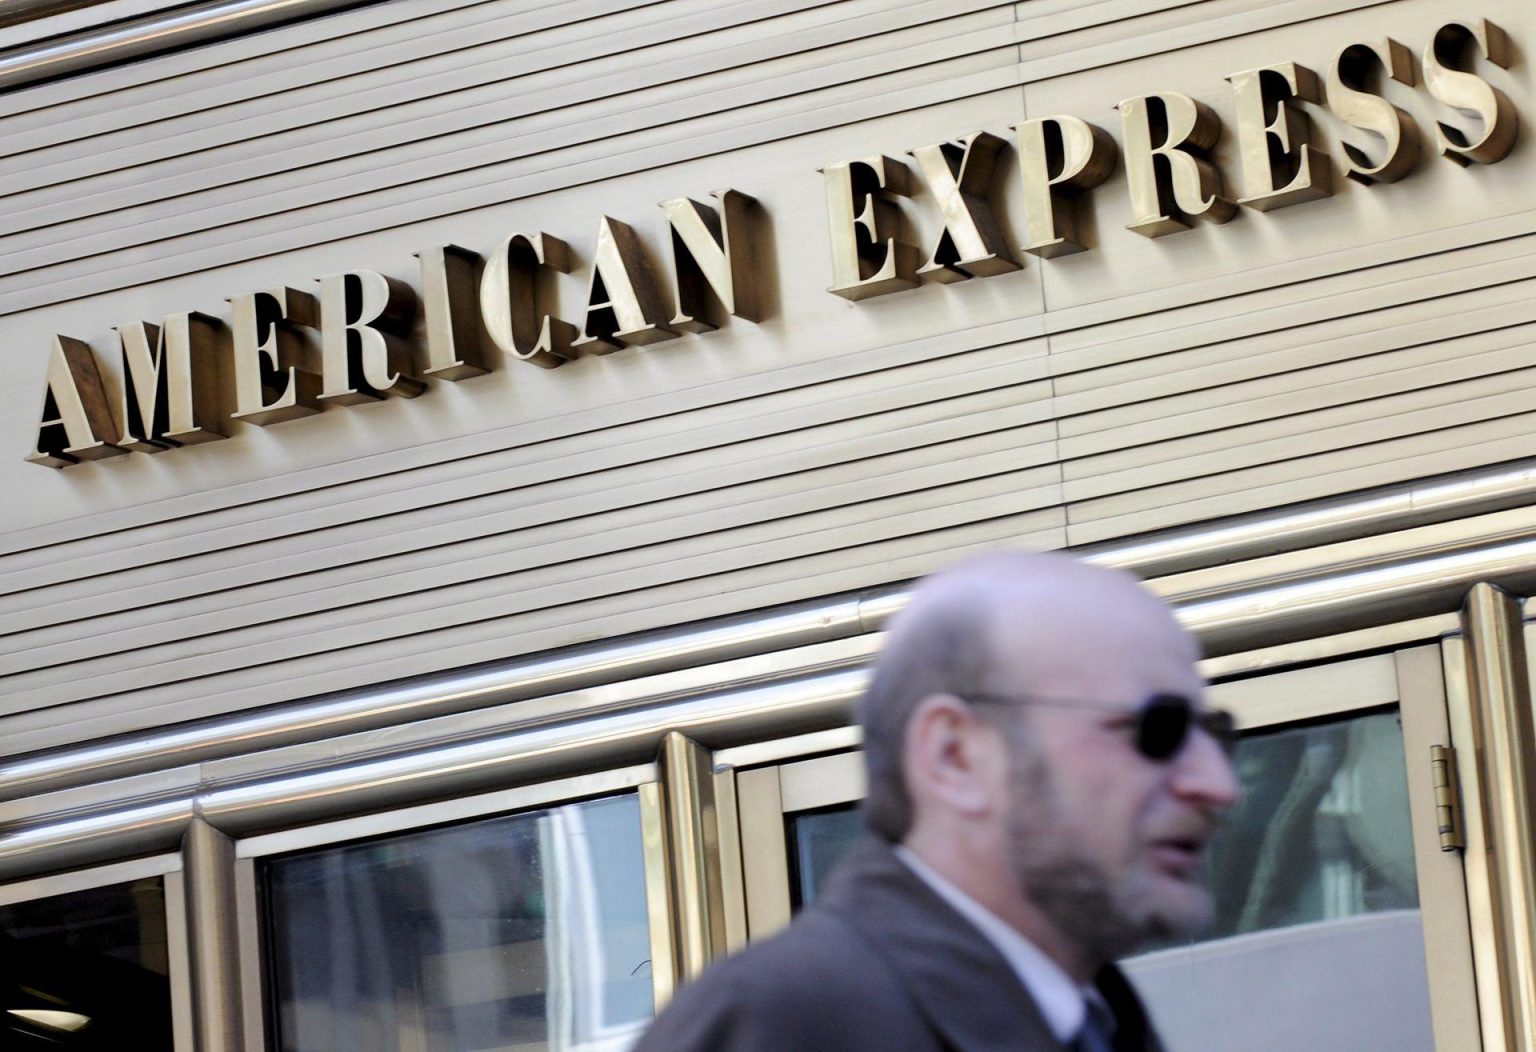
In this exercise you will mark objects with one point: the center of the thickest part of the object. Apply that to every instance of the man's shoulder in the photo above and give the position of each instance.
(821, 952)
(816, 985)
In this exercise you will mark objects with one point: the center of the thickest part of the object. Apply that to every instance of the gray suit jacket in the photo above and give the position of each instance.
(879, 962)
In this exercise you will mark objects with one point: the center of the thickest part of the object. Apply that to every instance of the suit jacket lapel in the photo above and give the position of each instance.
(959, 981)
(1134, 1031)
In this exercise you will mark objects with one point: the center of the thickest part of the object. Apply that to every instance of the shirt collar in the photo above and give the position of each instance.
(1060, 999)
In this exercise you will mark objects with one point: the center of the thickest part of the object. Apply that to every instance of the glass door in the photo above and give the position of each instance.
(1335, 901)
(95, 960)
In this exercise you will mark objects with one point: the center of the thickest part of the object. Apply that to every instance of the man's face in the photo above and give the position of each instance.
(1106, 842)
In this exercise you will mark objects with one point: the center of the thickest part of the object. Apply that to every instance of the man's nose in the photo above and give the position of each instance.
(1203, 773)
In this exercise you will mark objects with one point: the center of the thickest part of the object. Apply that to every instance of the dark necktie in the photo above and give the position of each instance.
(1097, 1034)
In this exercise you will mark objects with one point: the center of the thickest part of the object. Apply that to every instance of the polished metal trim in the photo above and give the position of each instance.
(1244, 620)
(182, 26)
(1326, 648)
(630, 732)
(1504, 765)
(757, 753)
(521, 798)
(1324, 522)
(732, 880)
(595, 708)
(531, 755)
(1356, 599)
(764, 851)
(1477, 859)
(183, 1029)
(822, 781)
(28, 22)
(537, 753)
(18, 11)
(659, 912)
(1359, 553)
(1312, 693)
(767, 795)
(250, 976)
(86, 879)
(213, 936)
(693, 849)
(563, 708)
(41, 14)
(1425, 713)
(521, 680)
(79, 800)
(96, 838)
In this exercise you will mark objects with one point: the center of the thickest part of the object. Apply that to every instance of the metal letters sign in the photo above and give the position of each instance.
(357, 326)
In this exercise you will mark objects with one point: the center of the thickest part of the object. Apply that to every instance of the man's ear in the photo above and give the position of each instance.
(955, 762)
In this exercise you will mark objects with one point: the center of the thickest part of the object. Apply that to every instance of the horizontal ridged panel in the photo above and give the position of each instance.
(1419, 455)
(1458, 382)
(303, 163)
(440, 91)
(678, 599)
(344, 160)
(661, 499)
(834, 447)
(810, 397)
(285, 224)
(564, 587)
(683, 92)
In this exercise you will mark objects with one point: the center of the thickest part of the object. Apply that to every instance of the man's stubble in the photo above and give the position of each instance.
(1105, 916)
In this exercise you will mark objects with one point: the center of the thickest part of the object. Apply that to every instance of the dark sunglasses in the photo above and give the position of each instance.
(1163, 721)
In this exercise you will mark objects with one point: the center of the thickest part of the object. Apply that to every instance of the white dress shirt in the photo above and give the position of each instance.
(1061, 1001)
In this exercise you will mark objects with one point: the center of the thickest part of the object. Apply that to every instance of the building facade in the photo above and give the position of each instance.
(459, 457)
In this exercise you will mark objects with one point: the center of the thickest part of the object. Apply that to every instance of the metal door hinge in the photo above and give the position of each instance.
(1442, 762)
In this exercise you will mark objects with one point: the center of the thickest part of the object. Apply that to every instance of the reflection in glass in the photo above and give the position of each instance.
(818, 840)
(1317, 942)
(1321, 831)
(87, 970)
(526, 931)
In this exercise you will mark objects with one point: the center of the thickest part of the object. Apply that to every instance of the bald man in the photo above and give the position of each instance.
(1043, 779)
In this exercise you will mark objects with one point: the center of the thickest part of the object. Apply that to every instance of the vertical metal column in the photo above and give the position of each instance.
(689, 786)
(658, 893)
(209, 864)
(694, 878)
(1504, 739)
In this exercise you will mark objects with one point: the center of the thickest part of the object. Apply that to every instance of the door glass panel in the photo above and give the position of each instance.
(1317, 941)
(87, 970)
(525, 931)
(1322, 829)
(818, 839)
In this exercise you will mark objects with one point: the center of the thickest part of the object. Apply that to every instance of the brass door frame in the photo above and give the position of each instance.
(777, 779)
(767, 796)
(1489, 685)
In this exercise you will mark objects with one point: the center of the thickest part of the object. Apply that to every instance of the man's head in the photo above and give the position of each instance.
(1001, 738)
